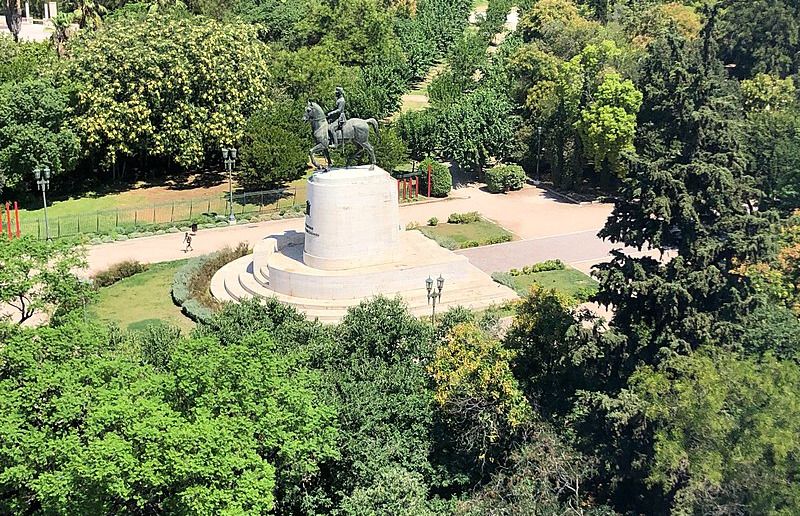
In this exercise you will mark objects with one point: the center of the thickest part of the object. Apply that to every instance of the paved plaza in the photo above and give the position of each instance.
(545, 227)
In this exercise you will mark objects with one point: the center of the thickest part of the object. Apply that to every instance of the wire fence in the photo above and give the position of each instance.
(162, 215)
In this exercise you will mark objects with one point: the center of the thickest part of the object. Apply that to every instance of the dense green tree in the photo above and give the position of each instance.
(693, 197)
(395, 491)
(273, 149)
(129, 106)
(34, 130)
(608, 123)
(24, 60)
(773, 136)
(289, 22)
(37, 276)
(377, 368)
(418, 130)
(89, 428)
(726, 432)
(761, 36)
(441, 179)
(543, 477)
(477, 128)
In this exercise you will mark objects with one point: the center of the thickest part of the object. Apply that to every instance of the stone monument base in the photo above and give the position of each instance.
(276, 269)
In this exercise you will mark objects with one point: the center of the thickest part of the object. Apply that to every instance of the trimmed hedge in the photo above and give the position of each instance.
(547, 265)
(441, 180)
(464, 218)
(117, 272)
(190, 286)
(505, 177)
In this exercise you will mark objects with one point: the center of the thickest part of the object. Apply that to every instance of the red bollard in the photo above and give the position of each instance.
(416, 187)
(8, 219)
(16, 215)
(429, 180)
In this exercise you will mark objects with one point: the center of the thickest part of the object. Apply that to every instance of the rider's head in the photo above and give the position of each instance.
(339, 91)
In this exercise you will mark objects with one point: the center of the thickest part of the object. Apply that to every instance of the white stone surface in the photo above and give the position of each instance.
(352, 249)
(353, 219)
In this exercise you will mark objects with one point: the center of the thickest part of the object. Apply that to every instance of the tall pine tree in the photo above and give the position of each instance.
(689, 196)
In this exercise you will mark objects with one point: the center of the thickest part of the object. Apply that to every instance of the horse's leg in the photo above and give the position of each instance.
(357, 153)
(371, 151)
(327, 156)
(317, 148)
(313, 161)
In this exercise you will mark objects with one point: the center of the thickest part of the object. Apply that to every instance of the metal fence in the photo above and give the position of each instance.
(163, 214)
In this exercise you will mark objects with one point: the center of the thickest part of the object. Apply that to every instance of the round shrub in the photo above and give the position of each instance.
(122, 238)
(441, 180)
(173, 230)
(505, 177)
(433, 221)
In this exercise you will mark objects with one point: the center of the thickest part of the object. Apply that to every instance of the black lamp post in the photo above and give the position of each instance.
(43, 181)
(538, 152)
(434, 294)
(230, 163)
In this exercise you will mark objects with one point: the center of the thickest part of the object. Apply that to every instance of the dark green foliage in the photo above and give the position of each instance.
(441, 180)
(217, 430)
(377, 368)
(418, 130)
(726, 431)
(543, 476)
(117, 272)
(761, 36)
(33, 131)
(447, 88)
(502, 178)
(697, 203)
(390, 149)
(157, 342)
(274, 148)
(773, 137)
(496, 14)
(481, 125)
(444, 20)
(284, 21)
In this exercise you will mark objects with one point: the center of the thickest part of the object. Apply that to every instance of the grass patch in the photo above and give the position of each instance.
(570, 282)
(142, 299)
(472, 234)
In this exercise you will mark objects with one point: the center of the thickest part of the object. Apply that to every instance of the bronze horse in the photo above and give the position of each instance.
(355, 130)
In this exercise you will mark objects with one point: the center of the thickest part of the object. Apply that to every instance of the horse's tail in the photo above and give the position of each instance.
(374, 124)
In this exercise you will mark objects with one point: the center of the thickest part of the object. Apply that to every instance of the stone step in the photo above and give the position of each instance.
(237, 280)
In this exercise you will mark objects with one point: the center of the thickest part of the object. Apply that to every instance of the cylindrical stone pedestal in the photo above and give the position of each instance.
(352, 219)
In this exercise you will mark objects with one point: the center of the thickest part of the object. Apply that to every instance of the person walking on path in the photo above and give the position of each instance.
(188, 239)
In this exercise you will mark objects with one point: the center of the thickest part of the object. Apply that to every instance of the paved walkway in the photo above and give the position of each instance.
(547, 227)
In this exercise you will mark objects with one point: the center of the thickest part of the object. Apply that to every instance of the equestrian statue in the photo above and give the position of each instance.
(334, 129)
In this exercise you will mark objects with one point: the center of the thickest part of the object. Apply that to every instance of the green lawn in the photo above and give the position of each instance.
(568, 281)
(473, 234)
(142, 299)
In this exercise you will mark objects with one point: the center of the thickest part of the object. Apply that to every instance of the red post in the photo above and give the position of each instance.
(398, 189)
(8, 219)
(416, 187)
(16, 215)
(429, 180)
